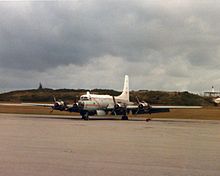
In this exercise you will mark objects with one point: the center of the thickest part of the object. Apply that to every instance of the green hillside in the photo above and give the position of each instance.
(68, 95)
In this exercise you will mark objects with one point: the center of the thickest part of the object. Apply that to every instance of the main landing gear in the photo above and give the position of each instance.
(85, 116)
(124, 116)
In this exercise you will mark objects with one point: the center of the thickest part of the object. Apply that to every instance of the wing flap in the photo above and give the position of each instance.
(26, 104)
(158, 109)
(177, 107)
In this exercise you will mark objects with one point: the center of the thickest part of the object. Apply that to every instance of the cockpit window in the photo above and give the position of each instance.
(84, 98)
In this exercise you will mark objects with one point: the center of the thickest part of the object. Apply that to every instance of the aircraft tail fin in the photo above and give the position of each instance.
(125, 93)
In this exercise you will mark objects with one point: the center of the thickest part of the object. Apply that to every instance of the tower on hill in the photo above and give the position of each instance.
(40, 86)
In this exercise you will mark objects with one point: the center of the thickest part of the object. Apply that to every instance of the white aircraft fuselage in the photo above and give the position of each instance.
(99, 102)
(91, 102)
(217, 100)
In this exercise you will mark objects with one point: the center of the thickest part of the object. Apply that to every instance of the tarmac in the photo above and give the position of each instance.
(39, 145)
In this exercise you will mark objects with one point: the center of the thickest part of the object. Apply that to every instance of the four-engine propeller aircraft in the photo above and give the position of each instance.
(93, 104)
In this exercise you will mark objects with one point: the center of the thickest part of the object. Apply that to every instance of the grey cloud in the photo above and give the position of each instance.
(158, 43)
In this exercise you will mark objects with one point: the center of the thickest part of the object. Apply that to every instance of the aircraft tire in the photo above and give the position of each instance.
(124, 117)
(86, 116)
(148, 119)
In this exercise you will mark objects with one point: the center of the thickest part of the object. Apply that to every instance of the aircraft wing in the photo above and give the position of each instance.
(178, 107)
(26, 104)
(35, 104)
(157, 109)
(168, 107)
(30, 104)
(42, 105)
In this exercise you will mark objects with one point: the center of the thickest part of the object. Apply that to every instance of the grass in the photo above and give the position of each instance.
(32, 110)
(212, 113)
(204, 113)
(69, 95)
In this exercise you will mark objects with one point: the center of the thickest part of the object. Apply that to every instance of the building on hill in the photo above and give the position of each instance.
(212, 93)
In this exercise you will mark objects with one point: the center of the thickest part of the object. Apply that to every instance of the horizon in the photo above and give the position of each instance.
(86, 89)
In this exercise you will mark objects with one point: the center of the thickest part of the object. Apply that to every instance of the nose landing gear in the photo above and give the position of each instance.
(85, 116)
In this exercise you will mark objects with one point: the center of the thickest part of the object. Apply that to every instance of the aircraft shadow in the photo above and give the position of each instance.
(78, 118)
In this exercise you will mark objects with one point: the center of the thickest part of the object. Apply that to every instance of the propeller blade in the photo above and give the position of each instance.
(54, 99)
(113, 112)
(137, 112)
(114, 100)
(137, 99)
(74, 101)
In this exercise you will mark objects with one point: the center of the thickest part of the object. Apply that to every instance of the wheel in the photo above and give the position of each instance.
(149, 119)
(124, 117)
(86, 116)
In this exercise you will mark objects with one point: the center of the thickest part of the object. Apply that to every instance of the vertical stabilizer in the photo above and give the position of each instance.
(125, 94)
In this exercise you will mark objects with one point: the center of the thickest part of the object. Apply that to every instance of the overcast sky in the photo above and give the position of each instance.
(161, 45)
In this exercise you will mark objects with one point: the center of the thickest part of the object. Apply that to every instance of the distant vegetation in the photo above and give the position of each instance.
(69, 95)
(172, 98)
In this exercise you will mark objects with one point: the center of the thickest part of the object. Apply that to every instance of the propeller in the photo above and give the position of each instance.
(74, 100)
(119, 107)
(54, 99)
(115, 104)
(138, 102)
(137, 99)
(51, 110)
(75, 107)
(58, 105)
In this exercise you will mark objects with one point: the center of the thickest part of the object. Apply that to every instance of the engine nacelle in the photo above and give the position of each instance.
(100, 112)
(118, 106)
(143, 105)
(119, 109)
(60, 105)
(143, 108)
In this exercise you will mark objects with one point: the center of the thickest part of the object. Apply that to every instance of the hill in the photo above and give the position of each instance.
(68, 95)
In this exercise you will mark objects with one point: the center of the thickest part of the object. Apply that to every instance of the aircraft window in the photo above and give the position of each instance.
(84, 98)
